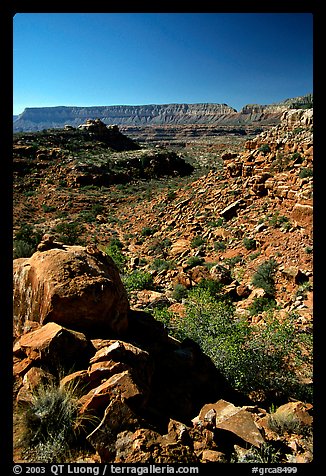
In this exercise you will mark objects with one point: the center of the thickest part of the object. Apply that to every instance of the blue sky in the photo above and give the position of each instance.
(88, 59)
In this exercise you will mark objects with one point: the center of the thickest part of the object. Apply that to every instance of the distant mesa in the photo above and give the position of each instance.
(39, 118)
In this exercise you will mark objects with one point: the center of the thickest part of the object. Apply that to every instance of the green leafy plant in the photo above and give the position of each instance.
(277, 220)
(251, 357)
(286, 423)
(219, 245)
(195, 261)
(212, 286)
(197, 241)
(48, 208)
(261, 304)
(306, 172)
(69, 232)
(179, 292)
(264, 276)
(148, 231)
(138, 280)
(249, 243)
(264, 148)
(113, 249)
(22, 249)
(25, 241)
(266, 453)
(162, 265)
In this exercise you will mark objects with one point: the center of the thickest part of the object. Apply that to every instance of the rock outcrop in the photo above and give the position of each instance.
(33, 119)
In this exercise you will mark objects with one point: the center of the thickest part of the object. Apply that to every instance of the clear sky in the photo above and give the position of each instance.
(101, 59)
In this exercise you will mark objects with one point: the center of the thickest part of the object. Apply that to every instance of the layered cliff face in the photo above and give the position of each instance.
(33, 119)
(46, 117)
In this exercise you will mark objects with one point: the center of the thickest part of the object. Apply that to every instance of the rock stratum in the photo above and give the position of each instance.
(39, 118)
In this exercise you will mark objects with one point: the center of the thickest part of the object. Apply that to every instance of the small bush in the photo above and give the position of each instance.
(264, 276)
(197, 241)
(219, 245)
(286, 423)
(266, 453)
(166, 317)
(22, 249)
(264, 148)
(69, 232)
(114, 251)
(306, 172)
(48, 208)
(162, 265)
(179, 292)
(249, 243)
(52, 423)
(147, 231)
(137, 281)
(195, 261)
(251, 357)
(278, 220)
(171, 195)
(29, 236)
(216, 223)
(231, 262)
(212, 286)
(297, 157)
(261, 304)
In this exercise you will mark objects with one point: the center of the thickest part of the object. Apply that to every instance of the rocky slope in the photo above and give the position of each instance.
(158, 398)
(33, 119)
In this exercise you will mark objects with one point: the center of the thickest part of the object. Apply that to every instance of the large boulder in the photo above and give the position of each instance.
(54, 345)
(76, 287)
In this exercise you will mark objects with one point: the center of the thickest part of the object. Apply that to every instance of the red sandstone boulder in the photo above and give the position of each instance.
(53, 345)
(76, 287)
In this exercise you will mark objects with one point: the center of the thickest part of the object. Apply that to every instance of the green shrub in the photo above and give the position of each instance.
(251, 357)
(264, 148)
(171, 195)
(261, 304)
(266, 453)
(179, 292)
(197, 241)
(195, 261)
(212, 286)
(137, 281)
(69, 232)
(264, 276)
(28, 234)
(114, 251)
(219, 245)
(306, 172)
(277, 220)
(297, 156)
(249, 243)
(48, 208)
(231, 262)
(148, 231)
(162, 265)
(282, 423)
(216, 223)
(168, 318)
(160, 246)
(21, 249)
